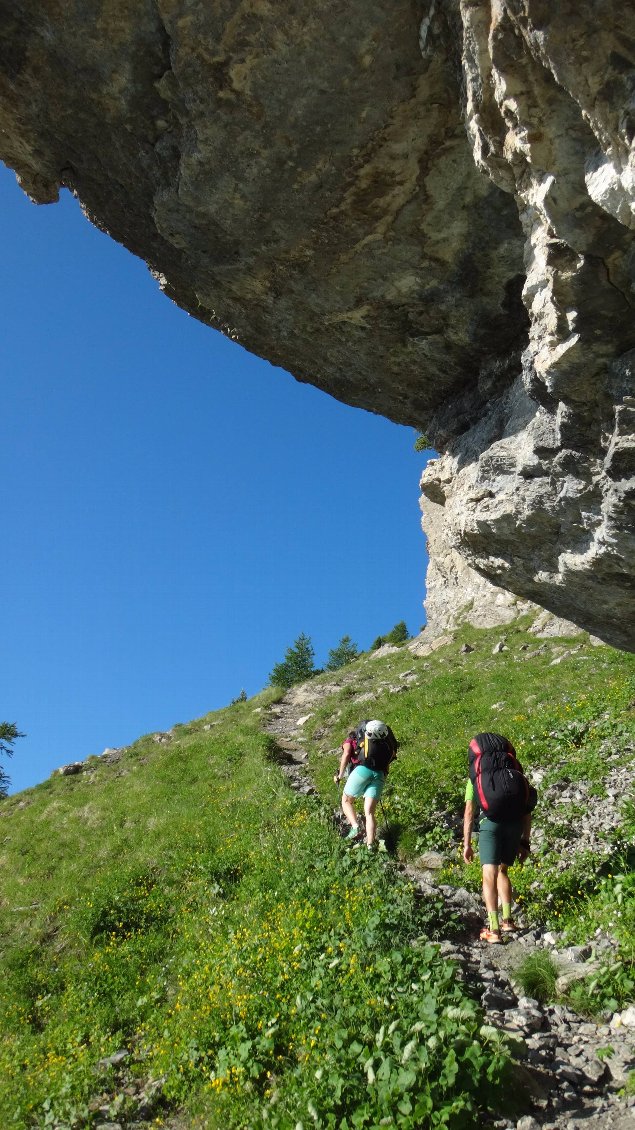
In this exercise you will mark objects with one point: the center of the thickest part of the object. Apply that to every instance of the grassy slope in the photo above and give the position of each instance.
(562, 707)
(181, 906)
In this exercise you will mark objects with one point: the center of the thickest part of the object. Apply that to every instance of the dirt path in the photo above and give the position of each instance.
(571, 1087)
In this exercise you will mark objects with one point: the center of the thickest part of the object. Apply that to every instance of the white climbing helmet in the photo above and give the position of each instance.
(376, 729)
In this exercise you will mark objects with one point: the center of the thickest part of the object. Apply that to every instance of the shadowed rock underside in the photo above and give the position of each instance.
(426, 209)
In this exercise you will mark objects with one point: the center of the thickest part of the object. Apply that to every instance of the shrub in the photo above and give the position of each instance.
(397, 635)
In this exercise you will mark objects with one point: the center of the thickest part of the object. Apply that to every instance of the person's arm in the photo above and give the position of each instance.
(525, 839)
(468, 824)
(347, 748)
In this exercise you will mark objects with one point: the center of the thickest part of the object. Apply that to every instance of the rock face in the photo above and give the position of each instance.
(538, 492)
(425, 209)
(456, 593)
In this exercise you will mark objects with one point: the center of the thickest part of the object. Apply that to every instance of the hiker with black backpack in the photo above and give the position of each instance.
(499, 802)
(376, 747)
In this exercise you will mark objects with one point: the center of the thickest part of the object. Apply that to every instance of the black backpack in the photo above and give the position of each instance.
(501, 789)
(376, 752)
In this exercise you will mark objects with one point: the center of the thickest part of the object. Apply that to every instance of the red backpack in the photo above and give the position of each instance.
(502, 790)
(355, 759)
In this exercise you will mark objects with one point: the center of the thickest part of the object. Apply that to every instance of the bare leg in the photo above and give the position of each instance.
(490, 889)
(370, 804)
(504, 886)
(348, 808)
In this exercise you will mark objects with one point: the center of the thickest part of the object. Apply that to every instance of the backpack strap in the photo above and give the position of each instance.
(475, 773)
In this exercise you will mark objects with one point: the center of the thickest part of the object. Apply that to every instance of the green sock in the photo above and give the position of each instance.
(507, 911)
(493, 919)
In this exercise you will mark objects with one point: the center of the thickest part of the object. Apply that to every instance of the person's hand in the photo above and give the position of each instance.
(523, 853)
(468, 853)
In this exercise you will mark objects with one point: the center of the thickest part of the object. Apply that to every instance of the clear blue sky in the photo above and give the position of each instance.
(175, 511)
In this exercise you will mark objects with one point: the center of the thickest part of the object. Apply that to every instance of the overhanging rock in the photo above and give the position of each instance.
(423, 208)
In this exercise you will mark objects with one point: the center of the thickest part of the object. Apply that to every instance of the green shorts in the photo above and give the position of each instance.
(367, 782)
(499, 842)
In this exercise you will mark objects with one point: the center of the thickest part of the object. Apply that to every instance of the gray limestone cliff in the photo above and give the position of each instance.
(538, 491)
(424, 208)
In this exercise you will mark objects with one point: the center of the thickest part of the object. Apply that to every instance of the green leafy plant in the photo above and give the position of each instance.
(629, 1087)
(612, 987)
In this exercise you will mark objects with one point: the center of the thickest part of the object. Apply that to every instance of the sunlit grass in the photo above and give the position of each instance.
(183, 907)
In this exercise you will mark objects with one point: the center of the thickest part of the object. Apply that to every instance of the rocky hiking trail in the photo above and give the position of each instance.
(573, 1069)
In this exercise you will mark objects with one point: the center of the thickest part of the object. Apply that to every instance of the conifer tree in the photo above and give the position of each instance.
(345, 652)
(8, 734)
(399, 634)
(297, 665)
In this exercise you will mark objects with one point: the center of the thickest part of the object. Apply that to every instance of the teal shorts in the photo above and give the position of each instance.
(499, 842)
(366, 782)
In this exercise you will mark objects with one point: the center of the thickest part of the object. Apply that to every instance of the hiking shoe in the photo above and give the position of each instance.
(492, 937)
(507, 925)
(353, 834)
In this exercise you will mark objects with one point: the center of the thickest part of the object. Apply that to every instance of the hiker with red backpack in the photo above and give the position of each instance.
(375, 747)
(499, 802)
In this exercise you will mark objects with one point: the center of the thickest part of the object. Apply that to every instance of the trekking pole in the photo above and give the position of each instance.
(383, 815)
(340, 789)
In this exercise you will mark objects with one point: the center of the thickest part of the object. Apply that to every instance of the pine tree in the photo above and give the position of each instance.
(297, 665)
(345, 652)
(8, 734)
(399, 633)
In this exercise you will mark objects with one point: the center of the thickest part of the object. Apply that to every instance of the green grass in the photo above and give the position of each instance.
(556, 716)
(564, 719)
(537, 976)
(184, 908)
